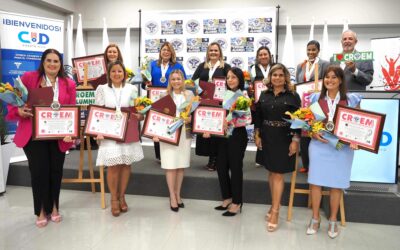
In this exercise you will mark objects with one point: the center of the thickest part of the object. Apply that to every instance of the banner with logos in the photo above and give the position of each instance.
(23, 39)
(386, 64)
(240, 32)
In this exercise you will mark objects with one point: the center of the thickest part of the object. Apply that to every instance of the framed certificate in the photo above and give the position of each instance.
(305, 89)
(103, 121)
(156, 124)
(96, 67)
(209, 120)
(49, 124)
(220, 88)
(361, 127)
(259, 86)
(155, 93)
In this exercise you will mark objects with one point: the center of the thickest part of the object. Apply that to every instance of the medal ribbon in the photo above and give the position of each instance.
(117, 100)
(264, 71)
(332, 105)
(310, 71)
(164, 69)
(55, 88)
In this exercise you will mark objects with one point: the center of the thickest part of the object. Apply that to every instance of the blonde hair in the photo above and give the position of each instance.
(172, 60)
(169, 87)
(221, 56)
(288, 84)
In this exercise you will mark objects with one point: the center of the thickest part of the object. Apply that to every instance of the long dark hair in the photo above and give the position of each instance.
(239, 74)
(61, 73)
(112, 64)
(339, 73)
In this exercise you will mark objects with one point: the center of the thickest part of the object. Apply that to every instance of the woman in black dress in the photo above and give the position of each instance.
(214, 66)
(273, 135)
(259, 72)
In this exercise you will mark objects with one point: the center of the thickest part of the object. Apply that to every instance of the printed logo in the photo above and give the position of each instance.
(237, 62)
(264, 42)
(214, 26)
(242, 44)
(171, 27)
(260, 25)
(17, 64)
(222, 42)
(237, 25)
(195, 45)
(179, 59)
(177, 44)
(193, 26)
(151, 27)
(292, 72)
(193, 62)
(251, 60)
(33, 38)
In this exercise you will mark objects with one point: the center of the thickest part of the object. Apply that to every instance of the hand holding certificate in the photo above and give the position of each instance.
(209, 120)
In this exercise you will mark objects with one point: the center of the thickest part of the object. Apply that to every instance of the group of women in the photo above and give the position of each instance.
(277, 144)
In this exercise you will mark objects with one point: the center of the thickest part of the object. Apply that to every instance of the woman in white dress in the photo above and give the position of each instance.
(117, 157)
(174, 159)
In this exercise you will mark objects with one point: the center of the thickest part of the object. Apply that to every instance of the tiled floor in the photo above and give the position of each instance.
(149, 224)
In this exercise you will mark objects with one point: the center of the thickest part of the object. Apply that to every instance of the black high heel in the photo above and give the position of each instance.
(174, 209)
(230, 214)
(181, 205)
(222, 208)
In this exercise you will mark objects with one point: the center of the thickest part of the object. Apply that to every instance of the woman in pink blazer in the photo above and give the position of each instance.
(45, 158)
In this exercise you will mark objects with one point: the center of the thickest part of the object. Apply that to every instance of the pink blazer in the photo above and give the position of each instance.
(24, 130)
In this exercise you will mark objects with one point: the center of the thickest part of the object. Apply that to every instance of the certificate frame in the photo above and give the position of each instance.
(215, 114)
(220, 88)
(151, 93)
(305, 89)
(259, 86)
(66, 116)
(102, 121)
(150, 129)
(367, 127)
(96, 67)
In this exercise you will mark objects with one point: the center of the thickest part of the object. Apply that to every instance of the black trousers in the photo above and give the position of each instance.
(304, 142)
(46, 163)
(230, 158)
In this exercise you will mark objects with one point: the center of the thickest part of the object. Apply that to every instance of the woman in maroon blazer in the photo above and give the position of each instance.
(45, 158)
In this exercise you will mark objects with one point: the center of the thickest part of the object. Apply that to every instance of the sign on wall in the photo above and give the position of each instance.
(386, 64)
(240, 32)
(23, 39)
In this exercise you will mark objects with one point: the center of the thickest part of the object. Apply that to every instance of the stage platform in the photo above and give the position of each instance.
(149, 179)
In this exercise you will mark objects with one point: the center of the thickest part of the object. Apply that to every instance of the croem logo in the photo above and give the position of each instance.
(237, 25)
(237, 62)
(264, 42)
(193, 62)
(151, 27)
(33, 37)
(177, 44)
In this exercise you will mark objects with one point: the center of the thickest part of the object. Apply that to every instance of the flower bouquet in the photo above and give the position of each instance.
(193, 86)
(184, 113)
(246, 75)
(143, 72)
(239, 107)
(142, 104)
(311, 120)
(15, 96)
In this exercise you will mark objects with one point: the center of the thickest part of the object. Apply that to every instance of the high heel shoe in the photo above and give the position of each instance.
(331, 229)
(311, 227)
(271, 227)
(230, 214)
(122, 205)
(174, 209)
(222, 208)
(115, 210)
(181, 205)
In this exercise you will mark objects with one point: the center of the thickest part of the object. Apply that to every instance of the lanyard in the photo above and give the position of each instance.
(118, 112)
(55, 88)
(332, 105)
(264, 71)
(164, 70)
(310, 70)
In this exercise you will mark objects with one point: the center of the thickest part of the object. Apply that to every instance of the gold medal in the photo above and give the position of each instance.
(330, 126)
(55, 105)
